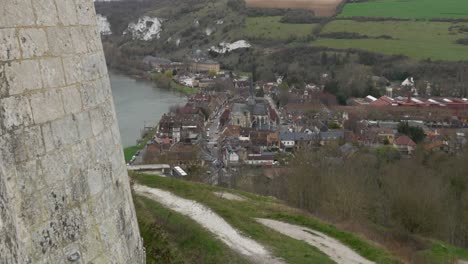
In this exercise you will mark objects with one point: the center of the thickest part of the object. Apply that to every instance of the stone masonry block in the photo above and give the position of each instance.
(100, 93)
(106, 87)
(28, 144)
(45, 240)
(67, 12)
(57, 165)
(23, 76)
(91, 66)
(97, 120)
(15, 113)
(78, 190)
(59, 40)
(48, 137)
(88, 94)
(64, 131)
(79, 40)
(85, 11)
(73, 68)
(95, 179)
(84, 125)
(33, 42)
(46, 106)
(30, 206)
(71, 99)
(4, 86)
(9, 50)
(108, 113)
(93, 35)
(16, 13)
(46, 12)
(52, 73)
(116, 134)
(29, 177)
(7, 173)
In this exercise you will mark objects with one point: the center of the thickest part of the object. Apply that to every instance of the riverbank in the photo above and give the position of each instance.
(140, 103)
(166, 81)
(130, 152)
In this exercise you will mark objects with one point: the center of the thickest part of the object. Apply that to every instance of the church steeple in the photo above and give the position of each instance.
(251, 100)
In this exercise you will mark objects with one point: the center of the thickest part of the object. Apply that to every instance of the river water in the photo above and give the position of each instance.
(138, 104)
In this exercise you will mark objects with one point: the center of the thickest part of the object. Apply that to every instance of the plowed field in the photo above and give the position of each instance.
(320, 7)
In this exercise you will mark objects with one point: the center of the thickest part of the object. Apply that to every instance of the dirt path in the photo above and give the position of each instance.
(211, 221)
(338, 252)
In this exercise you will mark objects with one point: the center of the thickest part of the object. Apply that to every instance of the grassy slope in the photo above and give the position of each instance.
(207, 15)
(130, 151)
(413, 9)
(418, 40)
(442, 253)
(241, 214)
(270, 28)
(177, 238)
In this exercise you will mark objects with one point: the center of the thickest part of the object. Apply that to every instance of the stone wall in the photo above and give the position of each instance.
(64, 191)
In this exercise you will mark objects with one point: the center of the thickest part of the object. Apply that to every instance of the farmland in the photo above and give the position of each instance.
(320, 7)
(270, 28)
(415, 39)
(410, 9)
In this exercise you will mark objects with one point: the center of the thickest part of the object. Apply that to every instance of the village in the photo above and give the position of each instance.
(233, 121)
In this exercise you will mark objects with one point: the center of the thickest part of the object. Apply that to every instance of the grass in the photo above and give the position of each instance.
(415, 39)
(270, 28)
(412, 9)
(166, 83)
(129, 152)
(174, 238)
(442, 253)
(241, 215)
(183, 89)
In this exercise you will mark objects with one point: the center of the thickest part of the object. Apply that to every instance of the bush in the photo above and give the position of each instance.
(344, 35)
(462, 41)
(236, 5)
(300, 16)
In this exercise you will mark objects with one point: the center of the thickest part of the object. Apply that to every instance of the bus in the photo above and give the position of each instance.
(178, 172)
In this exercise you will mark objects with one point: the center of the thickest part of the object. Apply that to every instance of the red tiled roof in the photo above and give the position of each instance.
(382, 101)
(405, 141)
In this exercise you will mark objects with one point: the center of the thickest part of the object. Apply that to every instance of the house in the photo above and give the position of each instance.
(205, 66)
(291, 140)
(230, 156)
(383, 101)
(156, 63)
(263, 159)
(331, 136)
(405, 144)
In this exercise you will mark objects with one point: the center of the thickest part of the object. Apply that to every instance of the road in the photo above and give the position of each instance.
(210, 146)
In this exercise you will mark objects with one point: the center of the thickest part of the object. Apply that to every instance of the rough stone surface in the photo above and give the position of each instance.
(60, 151)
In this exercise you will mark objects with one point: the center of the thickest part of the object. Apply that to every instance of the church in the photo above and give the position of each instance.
(255, 113)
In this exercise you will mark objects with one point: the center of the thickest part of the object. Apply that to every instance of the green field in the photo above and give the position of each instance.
(270, 28)
(417, 40)
(412, 9)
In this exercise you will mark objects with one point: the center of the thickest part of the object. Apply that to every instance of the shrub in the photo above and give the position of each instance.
(462, 41)
(299, 17)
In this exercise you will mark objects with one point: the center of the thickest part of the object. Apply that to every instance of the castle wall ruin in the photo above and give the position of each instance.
(64, 190)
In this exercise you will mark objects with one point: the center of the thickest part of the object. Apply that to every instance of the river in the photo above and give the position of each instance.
(138, 104)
